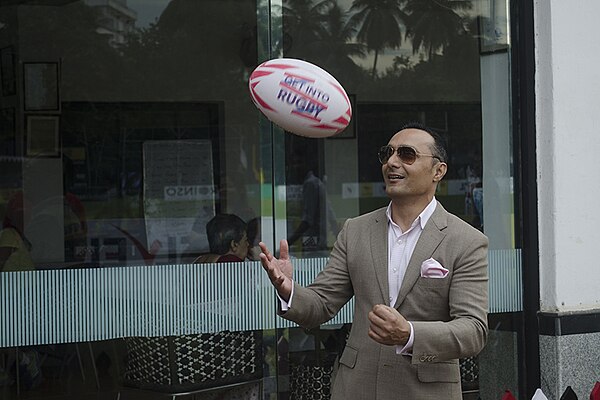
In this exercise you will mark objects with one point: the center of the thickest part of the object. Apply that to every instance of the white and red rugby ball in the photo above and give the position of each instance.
(300, 97)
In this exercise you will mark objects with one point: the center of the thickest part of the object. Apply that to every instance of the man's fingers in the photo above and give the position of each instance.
(375, 319)
(266, 263)
(273, 271)
(284, 252)
(383, 318)
(378, 329)
(388, 326)
(278, 270)
(382, 310)
(373, 335)
(382, 313)
(385, 313)
(265, 250)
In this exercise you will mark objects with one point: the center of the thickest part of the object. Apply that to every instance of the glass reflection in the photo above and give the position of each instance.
(140, 84)
(436, 62)
(157, 135)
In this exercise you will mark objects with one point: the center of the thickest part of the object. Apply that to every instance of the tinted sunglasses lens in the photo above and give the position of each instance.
(407, 155)
(385, 153)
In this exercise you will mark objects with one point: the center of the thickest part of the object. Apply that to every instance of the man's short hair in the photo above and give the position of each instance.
(439, 144)
(222, 229)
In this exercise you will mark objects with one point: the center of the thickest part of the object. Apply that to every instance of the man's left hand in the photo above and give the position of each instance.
(388, 326)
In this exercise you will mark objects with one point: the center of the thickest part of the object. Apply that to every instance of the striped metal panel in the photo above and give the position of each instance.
(505, 284)
(65, 306)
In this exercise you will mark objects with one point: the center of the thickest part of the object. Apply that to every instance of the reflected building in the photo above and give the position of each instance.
(115, 19)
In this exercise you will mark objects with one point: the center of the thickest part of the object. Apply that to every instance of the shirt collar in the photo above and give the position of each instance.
(422, 218)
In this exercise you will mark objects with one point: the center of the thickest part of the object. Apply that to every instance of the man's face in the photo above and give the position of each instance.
(417, 180)
(240, 249)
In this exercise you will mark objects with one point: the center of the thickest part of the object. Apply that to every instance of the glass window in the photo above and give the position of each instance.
(444, 64)
(137, 178)
(126, 128)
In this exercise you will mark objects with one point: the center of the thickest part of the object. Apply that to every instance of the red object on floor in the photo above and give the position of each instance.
(508, 396)
(595, 395)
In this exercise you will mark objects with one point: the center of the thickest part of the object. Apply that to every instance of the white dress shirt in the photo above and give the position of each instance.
(401, 246)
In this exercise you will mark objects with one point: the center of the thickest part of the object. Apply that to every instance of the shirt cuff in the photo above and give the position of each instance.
(406, 350)
(286, 305)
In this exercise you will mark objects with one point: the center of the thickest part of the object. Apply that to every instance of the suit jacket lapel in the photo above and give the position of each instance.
(379, 252)
(430, 239)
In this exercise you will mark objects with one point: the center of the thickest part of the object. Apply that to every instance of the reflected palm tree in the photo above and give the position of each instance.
(432, 24)
(336, 43)
(379, 24)
(303, 26)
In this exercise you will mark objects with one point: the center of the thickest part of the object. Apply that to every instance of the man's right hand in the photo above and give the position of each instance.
(279, 269)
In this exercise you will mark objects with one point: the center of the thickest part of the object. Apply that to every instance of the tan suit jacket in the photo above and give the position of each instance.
(449, 315)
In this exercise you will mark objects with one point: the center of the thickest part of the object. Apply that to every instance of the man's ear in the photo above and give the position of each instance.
(440, 171)
(233, 245)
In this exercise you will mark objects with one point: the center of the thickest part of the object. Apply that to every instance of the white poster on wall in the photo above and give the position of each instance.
(179, 196)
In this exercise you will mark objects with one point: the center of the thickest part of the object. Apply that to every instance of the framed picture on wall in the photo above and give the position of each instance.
(40, 80)
(8, 83)
(494, 31)
(42, 138)
(350, 131)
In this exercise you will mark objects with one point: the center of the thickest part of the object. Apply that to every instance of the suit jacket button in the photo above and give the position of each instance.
(423, 358)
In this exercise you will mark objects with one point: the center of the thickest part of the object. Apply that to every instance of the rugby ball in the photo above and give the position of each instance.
(300, 97)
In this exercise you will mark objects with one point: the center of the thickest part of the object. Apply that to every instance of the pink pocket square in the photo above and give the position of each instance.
(433, 269)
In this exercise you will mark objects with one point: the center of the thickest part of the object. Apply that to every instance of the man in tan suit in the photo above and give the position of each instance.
(419, 277)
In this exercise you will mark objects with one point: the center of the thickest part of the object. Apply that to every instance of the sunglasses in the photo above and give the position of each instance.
(408, 155)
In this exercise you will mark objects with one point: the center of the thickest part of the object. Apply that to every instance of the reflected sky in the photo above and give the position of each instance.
(148, 11)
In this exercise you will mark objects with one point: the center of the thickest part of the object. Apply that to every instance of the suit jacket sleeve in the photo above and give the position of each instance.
(331, 290)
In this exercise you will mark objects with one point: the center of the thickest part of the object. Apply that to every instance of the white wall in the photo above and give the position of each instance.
(568, 152)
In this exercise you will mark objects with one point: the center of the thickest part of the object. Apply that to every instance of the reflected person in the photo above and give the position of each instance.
(253, 231)
(228, 237)
(418, 275)
(318, 217)
(15, 248)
